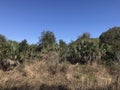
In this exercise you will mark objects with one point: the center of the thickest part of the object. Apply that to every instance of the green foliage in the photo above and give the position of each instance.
(47, 39)
(32, 51)
(23, 46)
(23, 49)
(3, 49)
(62, 51)
(85, 36)
(111, 37)
(83, 50)
(2, 39)
(110, 40)
(13, 50)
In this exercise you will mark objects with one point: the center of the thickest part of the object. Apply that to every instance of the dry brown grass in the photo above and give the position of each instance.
(50, 75)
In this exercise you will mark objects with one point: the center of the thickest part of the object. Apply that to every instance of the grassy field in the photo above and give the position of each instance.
(51, 75)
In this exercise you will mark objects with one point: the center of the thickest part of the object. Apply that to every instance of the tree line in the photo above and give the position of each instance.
(84, 50)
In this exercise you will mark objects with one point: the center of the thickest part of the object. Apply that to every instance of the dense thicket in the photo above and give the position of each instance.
(111, 37)
(83, 50)
(110, 42)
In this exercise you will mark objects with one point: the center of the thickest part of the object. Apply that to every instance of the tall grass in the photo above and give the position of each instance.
(50, 75)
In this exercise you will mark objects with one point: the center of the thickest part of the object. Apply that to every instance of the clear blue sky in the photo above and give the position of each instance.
(20, 19)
